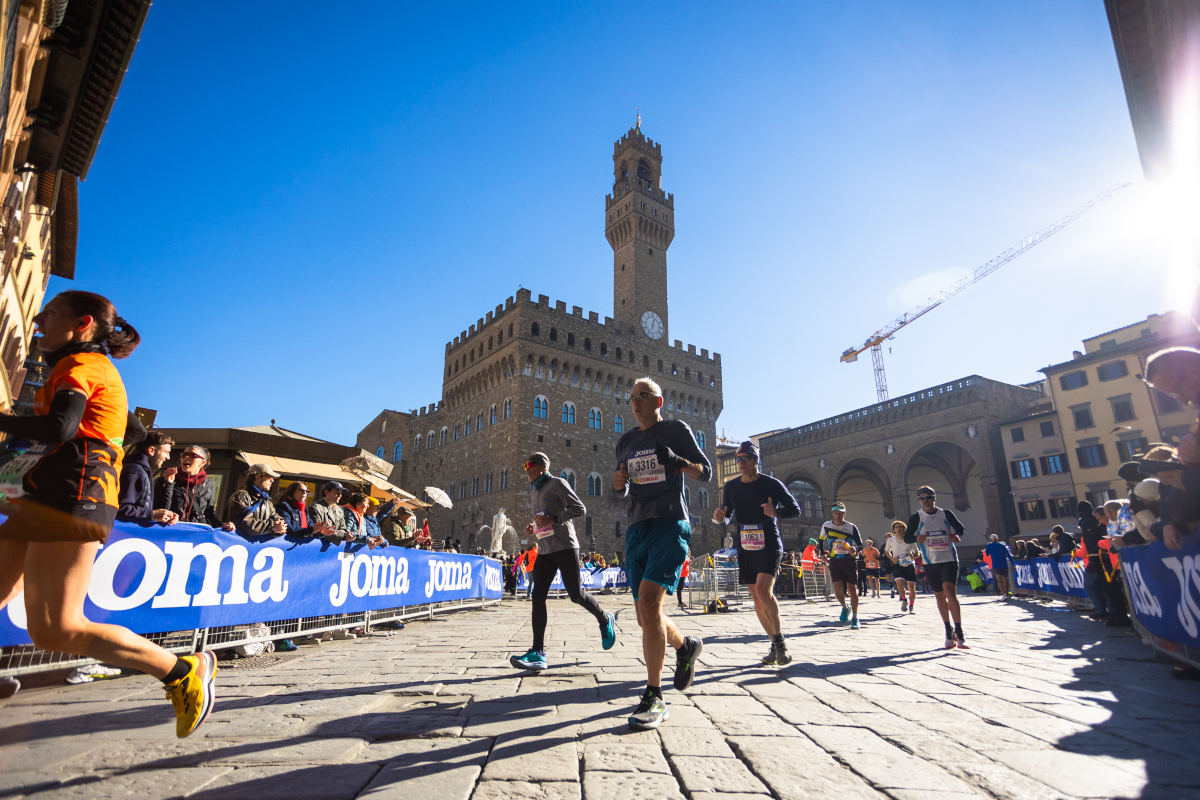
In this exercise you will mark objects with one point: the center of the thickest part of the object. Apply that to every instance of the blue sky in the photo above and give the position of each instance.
(299, 208)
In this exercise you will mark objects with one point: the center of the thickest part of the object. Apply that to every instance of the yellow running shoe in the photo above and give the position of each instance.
(192, 695)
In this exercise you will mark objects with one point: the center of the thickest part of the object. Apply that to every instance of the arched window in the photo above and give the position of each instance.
(618, 424)
(379, 452)
(568, 476)
(397, 452)
(533, 329)
(507, 407)
(416, 444)
(503, 479)
(492, 415)
(700, 439)
(703, 494)
(570, 339)
(444, 435)
(487, 484)
(475, 486)
(595, 487)
(467, 427)
(539, 407)
(587, 344)
(429, 440)
(568, 413)
(479, 421)
(553, 335)
(595, 419)
(457, 432)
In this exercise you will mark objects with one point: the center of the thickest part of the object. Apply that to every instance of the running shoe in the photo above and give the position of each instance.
(854, 624)
(608, 632)
(286, 646)
(782, 656)
(963, 645)
(533, 660)
(771, 657)
(92, 672)
(193, 695)
(904, 606)
(845, 613)
(685, 661)
(951, 644)
(650, 713)
(912, 606)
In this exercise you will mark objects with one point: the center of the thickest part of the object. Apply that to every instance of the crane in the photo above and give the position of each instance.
(876, 339)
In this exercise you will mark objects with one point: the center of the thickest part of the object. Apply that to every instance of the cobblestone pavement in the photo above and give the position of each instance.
(1045, 704)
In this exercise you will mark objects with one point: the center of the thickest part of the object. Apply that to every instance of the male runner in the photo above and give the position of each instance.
(554, 505)
(999, 553)
(904, 566)
(756, 501)
(841, 540)
(937, 530)
(651, 462)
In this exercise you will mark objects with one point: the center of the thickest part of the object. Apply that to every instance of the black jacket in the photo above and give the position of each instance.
(192, 502)
(136, 499)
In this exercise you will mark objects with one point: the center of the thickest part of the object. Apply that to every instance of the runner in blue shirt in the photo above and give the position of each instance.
(997, 551)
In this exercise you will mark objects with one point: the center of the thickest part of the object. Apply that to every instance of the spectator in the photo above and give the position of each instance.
(251, 509)
(327, 511)
(354, 513)
(424, 540)
(294, 510)
(998, 552)
(399, 527)
(371, 520)
(1034, 549)
(136, 500)
(1061, 543)
(186, 491)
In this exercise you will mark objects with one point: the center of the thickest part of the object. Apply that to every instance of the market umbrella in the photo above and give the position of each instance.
(438, 496)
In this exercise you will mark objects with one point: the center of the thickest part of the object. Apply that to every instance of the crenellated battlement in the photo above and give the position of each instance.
(636, 138)
(666, 198)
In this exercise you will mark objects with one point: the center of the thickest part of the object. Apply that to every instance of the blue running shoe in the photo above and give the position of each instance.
(845, 613)
(533, 660)
(608, 632)
(854, 624)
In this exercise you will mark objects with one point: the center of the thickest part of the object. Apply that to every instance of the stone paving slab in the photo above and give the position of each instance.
(1046, 704)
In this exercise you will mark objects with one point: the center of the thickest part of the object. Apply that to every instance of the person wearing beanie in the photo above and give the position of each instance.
(756, 502)
(652, 460)
(553, 505)
(936, 530)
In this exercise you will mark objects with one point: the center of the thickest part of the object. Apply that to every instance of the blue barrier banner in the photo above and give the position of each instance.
(1063, 576)
(158, 578)
(1164, 588)
(609, 578)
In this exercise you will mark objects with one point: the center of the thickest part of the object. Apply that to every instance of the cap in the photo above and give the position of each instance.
(372, 501)
(1130, 471)
(332, 485)
(839, 507)
(540, 459)
(748, 448)
(1147, 490)
(262, 469)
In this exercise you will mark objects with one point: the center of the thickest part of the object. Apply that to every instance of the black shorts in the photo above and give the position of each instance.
(752, 563)
(908, 573)
(946, 572)
(873, 572)
(843, 569)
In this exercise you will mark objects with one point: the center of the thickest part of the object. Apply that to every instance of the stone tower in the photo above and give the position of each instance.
(640, 227)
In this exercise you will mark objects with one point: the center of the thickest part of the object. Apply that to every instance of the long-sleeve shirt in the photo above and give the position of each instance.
(554, 498)
(757, 530)
(654, 490)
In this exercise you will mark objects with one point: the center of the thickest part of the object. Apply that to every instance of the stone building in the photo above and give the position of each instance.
(63, 65)
(534, 375)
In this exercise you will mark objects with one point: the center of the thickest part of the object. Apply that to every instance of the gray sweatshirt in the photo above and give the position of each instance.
(652, 490)
(554, 498)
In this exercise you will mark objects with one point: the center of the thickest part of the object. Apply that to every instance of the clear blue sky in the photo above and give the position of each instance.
(298, 204)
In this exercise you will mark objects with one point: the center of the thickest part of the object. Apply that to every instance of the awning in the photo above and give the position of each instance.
(403, 497)
(302, 469)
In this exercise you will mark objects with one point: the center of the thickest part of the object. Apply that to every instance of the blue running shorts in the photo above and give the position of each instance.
(655, 550)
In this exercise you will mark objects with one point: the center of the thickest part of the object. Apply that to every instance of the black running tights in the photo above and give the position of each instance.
(566, 562)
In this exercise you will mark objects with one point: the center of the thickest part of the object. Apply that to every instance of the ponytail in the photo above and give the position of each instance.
(117, 336)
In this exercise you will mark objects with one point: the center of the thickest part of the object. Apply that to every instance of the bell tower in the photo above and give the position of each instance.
(640, 226)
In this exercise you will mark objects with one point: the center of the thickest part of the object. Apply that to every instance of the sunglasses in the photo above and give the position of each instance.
(192, 455)
(642, 396)
(926, 497)
(529, 465)
(743, 458)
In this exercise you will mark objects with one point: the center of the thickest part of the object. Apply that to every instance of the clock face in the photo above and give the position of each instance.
(652, 324)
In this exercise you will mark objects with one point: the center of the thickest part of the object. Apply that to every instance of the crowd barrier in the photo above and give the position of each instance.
(189, 586)
(1051, 578)
(592, 580)
(1162, 590)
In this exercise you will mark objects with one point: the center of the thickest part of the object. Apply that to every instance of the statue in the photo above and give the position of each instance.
(500, 526)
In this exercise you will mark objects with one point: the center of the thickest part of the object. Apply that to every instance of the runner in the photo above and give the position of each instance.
(50, 539)
(904, 571)
(998, 552)
(841, 540)
(554, 505)
(756, 501)
(651, 462)
(870, 554)
(937, 531)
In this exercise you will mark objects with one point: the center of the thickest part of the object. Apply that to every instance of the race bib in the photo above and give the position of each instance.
(19, 461)
(752, 537)
(905, 561)
(937, 541)
(542, 531)
(841, 547)
(643, 467)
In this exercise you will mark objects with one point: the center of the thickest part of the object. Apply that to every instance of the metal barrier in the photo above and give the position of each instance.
(716, 583)
(27, 659)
